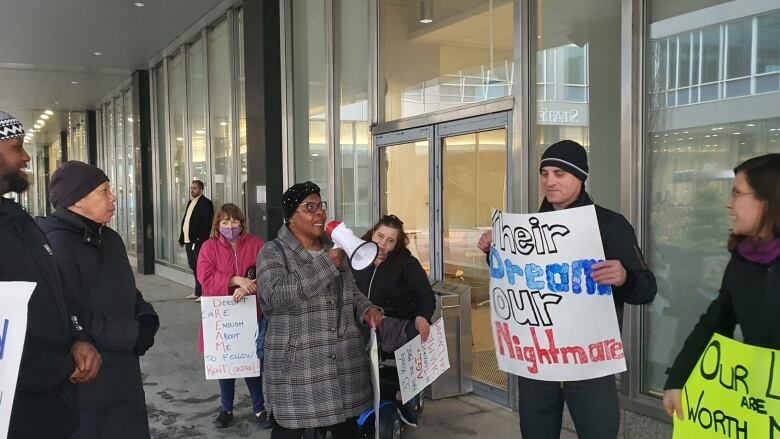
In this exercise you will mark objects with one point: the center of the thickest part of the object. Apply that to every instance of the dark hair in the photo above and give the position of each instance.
(199, 183)
(763, 175)
(227, 211)
(393, 222)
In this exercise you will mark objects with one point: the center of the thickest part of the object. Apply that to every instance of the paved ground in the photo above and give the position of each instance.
(183, 404)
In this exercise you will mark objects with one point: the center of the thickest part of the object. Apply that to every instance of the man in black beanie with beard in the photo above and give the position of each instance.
(55, 348)
(593, 403)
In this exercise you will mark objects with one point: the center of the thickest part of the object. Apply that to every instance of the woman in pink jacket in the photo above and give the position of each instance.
(226, 267)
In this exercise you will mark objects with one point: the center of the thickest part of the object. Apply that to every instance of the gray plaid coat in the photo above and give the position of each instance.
(316, 371)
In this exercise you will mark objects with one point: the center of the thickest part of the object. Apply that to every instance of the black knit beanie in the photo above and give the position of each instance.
(295, 195)
(72, 181)
(569, 156)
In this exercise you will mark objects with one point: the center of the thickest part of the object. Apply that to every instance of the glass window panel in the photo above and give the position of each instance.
(739, 46)
(768, 45)
(710, 63)
(684, 61)
(461, 52)
(589, 65)
(196, 105)
(354, 166)
(242, 175)
(220, 114)
(474, 168)
(405, 193)
(166, 224)
(177, 103)
(690, 153)
(127, 96)
(120, 185)
(311, 154)
(768, 83)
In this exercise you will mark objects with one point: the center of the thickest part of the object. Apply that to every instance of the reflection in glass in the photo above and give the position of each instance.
(177, 101)
(130, 242)
(162, 232)
(120, 185)
(578, 60)
(404, 192)
(463, 56)
(242, 176)
(354, 166)
(197, 112)
(691, 151)
(309, 81)
(220, 114)
(474, 183)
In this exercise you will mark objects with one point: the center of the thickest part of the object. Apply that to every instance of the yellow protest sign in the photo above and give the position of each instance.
(734, 392)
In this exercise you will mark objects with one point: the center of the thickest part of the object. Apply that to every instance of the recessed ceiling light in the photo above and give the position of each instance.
(74, 82)
(56, 102)
(97, 53)
(49, 112)
(224, 124)
(36, 126)
(139, 4)
(40, 122)
(751, 124)
(45, 116)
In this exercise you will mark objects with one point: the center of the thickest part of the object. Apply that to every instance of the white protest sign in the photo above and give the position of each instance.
(373, 355)
(229, 332)
(551, 321)
(13, 326)
(420, 363)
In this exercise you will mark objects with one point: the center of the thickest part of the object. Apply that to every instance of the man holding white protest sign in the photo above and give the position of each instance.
(590, 394)
(56, 349)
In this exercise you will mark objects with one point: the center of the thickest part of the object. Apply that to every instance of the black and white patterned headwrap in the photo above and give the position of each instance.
(10, 127)
(293, 196)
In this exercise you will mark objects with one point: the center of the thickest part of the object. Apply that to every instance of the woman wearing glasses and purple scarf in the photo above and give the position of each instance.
(316, 371)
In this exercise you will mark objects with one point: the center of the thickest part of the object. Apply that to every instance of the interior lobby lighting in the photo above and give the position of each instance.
(139, 4)
(40, 122)
(36, 126)
(97, 53)
(74, 82)
(751, 124)
(49, 112)
(426, 11)
(45, 116)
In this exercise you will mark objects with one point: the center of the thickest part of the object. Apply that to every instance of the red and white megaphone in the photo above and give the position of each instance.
(361, 253)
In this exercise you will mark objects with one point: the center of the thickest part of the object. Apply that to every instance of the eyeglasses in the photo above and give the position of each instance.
(312, 207)
(736, 194)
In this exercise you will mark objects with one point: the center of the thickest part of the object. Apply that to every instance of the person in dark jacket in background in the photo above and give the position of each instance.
(93, 261)
(397, 283)
(195, 230)
(593, 403)
(750, 292)
(55, 347)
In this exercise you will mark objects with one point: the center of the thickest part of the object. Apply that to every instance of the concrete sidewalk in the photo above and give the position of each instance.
(183, 404)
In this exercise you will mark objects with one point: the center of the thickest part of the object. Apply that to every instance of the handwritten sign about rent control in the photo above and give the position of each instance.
(13, 326)
(420, 363)
(733, 392)
(229, 332)
(551, 321)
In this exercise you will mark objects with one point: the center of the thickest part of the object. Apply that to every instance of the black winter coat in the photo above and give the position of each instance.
(200, 221)
(100, 283)
(25, 255)
(400, 287)
(749, 297)
(619, 241)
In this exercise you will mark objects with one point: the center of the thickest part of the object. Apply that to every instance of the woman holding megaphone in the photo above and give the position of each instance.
(750, 292)
(397, 283)
(316, 372)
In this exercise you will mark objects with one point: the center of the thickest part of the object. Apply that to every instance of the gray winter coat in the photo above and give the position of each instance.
(316, 370)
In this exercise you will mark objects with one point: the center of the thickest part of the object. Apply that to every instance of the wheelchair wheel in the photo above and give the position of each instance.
(389, 423)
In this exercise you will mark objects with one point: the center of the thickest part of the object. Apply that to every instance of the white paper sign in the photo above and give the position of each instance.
(373, 355)
(419, 364)
(13, 326)
(229, 332)
(551, 321)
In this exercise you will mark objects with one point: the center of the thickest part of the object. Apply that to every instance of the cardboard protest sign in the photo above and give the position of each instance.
(419, 364)
(13, 326)
(229, 332)
(733, 392)
(551, 320)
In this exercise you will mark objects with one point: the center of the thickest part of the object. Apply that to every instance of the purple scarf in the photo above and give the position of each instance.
(761, 254)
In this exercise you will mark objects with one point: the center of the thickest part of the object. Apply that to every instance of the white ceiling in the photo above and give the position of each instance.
(46, 44)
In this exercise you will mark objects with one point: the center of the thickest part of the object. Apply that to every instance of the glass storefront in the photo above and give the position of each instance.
(713, 82)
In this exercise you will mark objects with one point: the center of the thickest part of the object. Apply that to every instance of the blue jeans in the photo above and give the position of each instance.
(227, 388)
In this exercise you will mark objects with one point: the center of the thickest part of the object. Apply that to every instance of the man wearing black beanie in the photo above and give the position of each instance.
(593, 403)
(56, 349)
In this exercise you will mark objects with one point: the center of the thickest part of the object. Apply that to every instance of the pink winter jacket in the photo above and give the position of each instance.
(218, 262)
